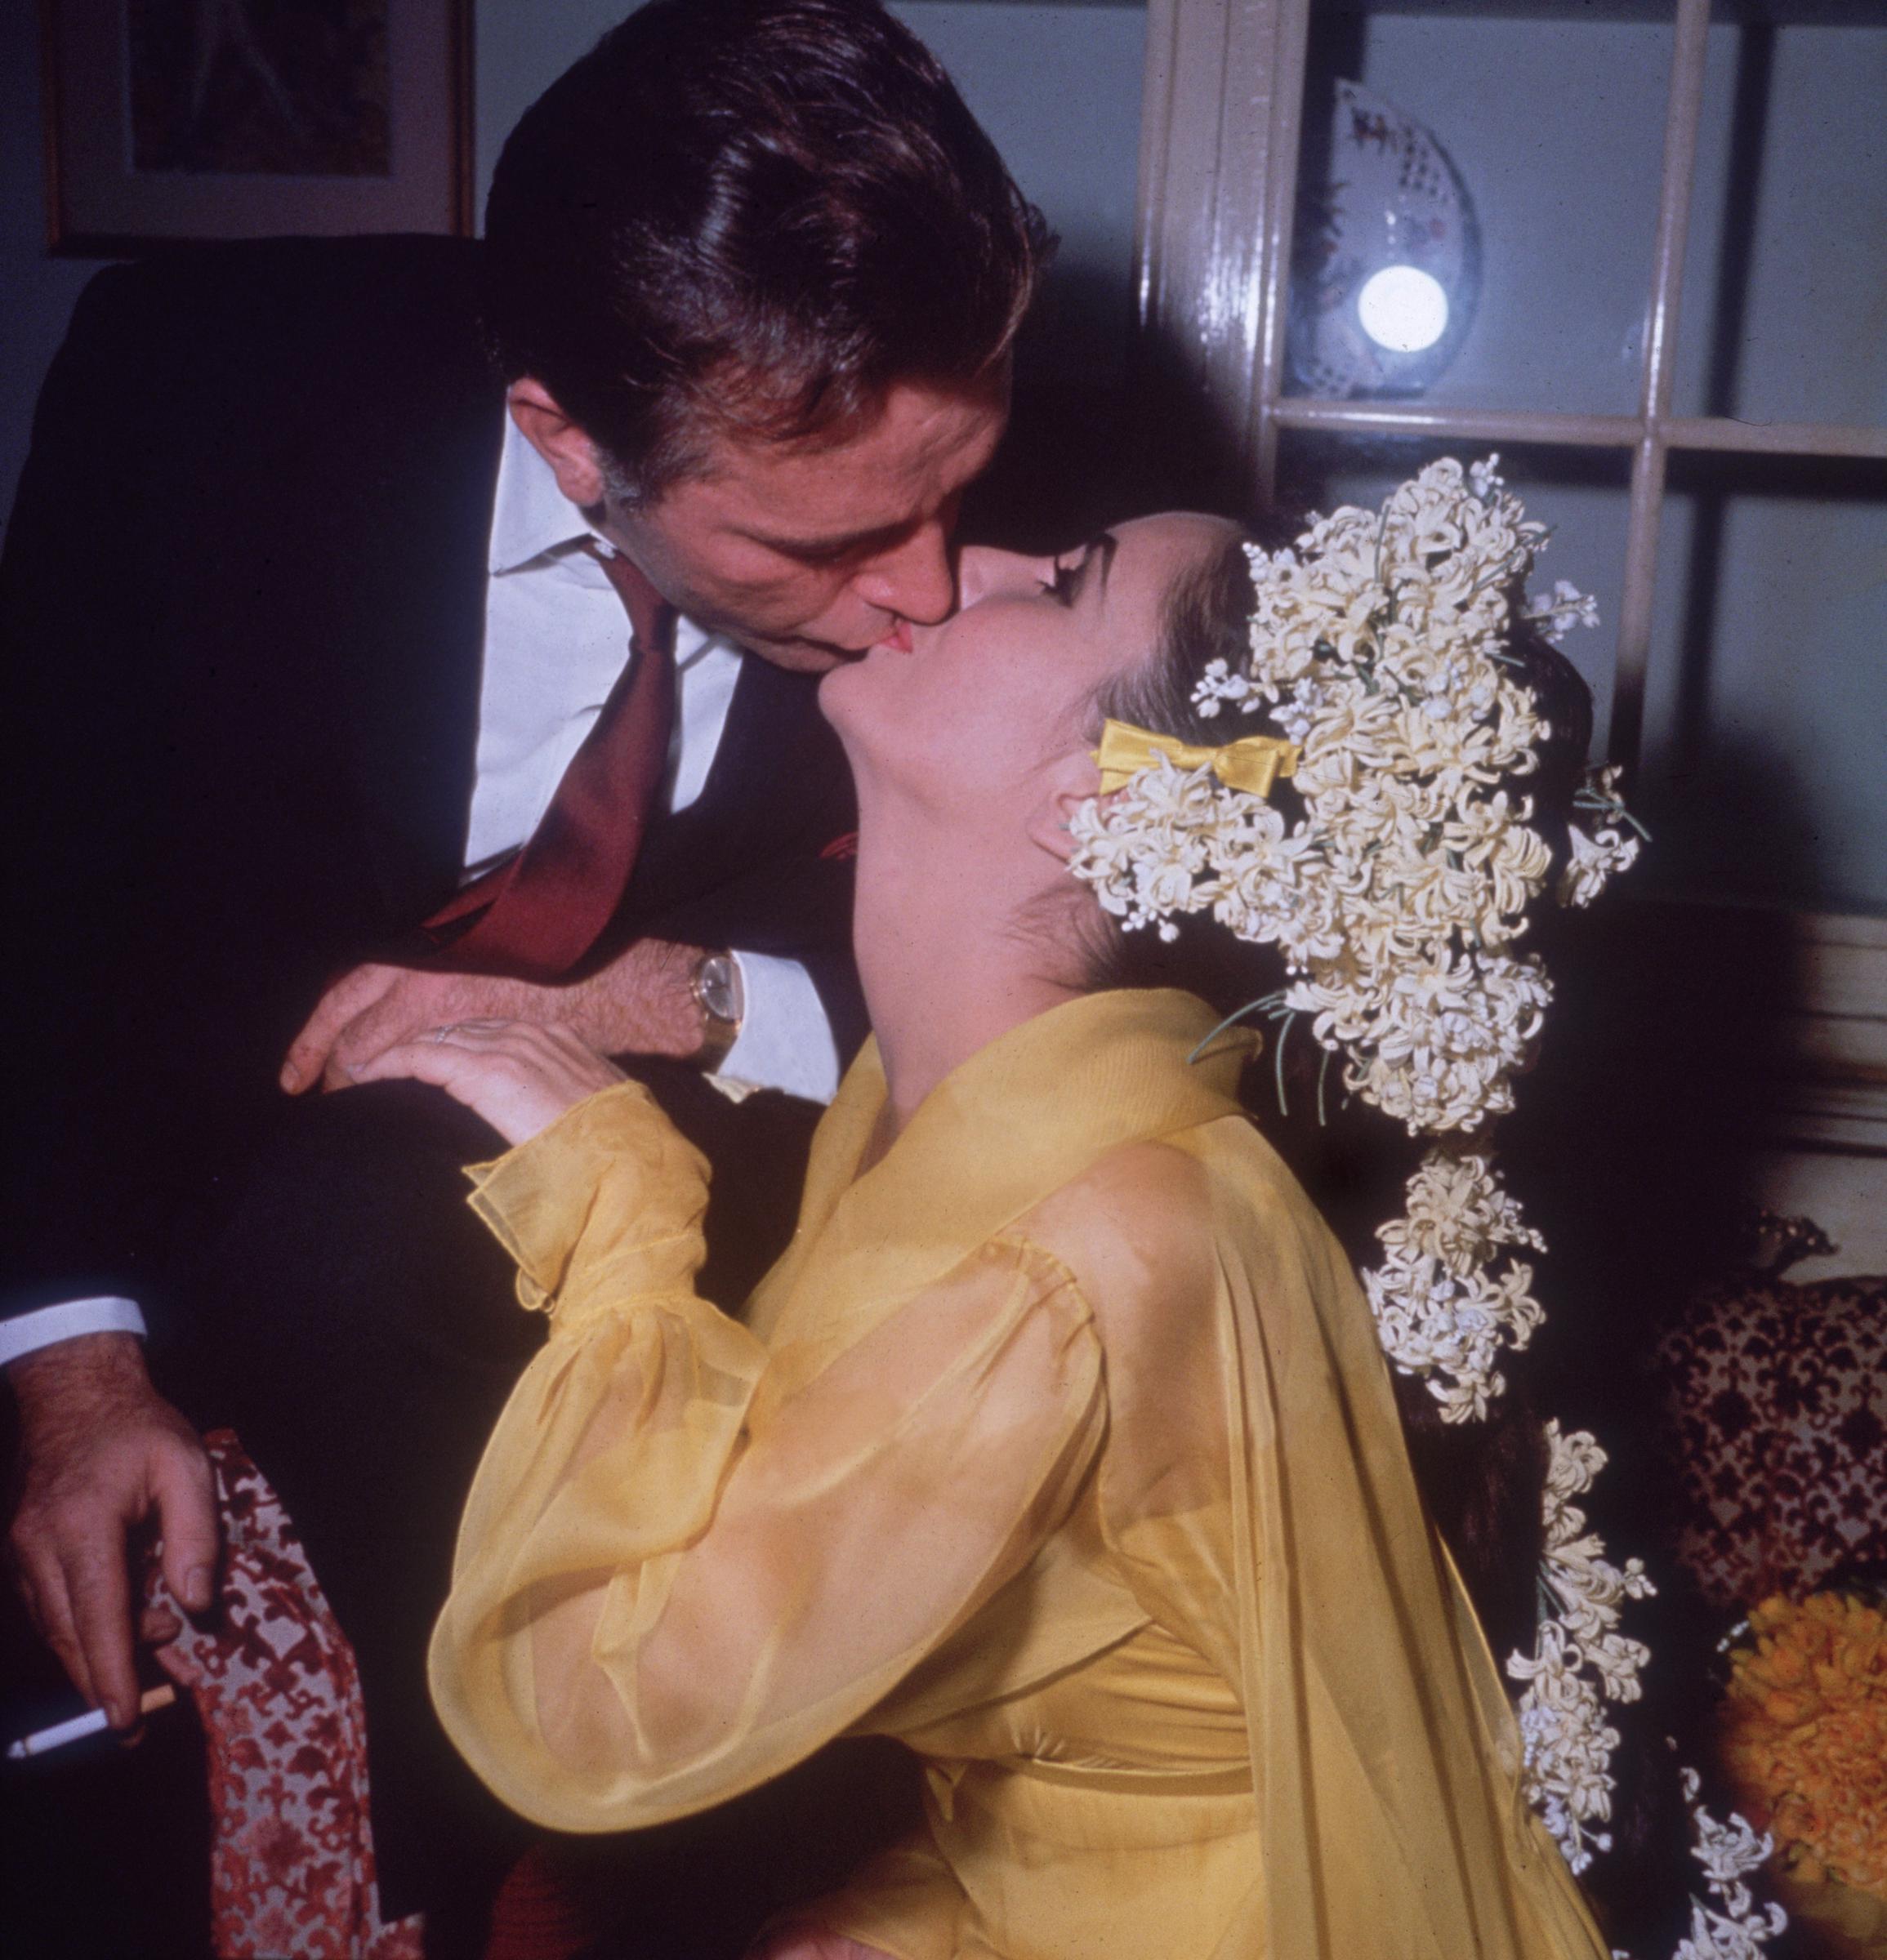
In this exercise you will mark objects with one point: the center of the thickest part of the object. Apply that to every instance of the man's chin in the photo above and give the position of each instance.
(801, 656)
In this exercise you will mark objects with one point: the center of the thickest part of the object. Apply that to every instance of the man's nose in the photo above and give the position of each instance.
(914, 579)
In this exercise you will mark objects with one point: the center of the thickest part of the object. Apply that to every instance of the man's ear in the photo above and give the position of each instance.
(558, 440)
(1069, 784)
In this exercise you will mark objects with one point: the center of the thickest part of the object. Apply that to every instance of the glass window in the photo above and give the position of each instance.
(1785, 295)
(1555, 131)
(1764, 772)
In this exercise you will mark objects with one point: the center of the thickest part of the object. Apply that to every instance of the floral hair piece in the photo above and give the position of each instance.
(1398, 899)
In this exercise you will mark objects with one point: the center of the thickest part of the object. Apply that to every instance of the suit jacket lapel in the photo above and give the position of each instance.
(415, 636)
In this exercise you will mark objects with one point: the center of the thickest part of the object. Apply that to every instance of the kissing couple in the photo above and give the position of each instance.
(538, 720)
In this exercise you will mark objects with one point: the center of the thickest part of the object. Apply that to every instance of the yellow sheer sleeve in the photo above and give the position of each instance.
(677, 1574)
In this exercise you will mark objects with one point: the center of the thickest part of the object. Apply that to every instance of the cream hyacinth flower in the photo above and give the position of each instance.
(1397, 899)
(1377, 643)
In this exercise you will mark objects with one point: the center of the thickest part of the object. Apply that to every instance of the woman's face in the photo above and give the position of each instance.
(975, 711)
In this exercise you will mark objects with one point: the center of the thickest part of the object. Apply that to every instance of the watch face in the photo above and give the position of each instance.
(720, 988)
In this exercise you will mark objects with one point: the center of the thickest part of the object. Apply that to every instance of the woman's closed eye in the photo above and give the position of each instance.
(1066, 582)
(1072, 578)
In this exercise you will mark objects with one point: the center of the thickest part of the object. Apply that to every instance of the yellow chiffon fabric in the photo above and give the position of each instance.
(1059, 1445)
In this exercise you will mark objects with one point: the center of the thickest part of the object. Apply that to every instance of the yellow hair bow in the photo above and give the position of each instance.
(1252, 763)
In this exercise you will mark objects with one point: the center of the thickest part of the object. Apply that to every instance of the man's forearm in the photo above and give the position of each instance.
(58, 1382)
(642, 1003)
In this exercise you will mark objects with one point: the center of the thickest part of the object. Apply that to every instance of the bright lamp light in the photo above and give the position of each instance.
(1403, 309)
(1386, 263)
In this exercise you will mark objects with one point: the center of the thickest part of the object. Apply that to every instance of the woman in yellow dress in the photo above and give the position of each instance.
(1060, 1445)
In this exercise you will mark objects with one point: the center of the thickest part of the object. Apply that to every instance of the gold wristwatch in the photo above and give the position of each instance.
(718, 992)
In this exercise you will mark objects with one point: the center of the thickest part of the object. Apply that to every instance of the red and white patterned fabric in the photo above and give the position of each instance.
(278, 1694)
(1775, 1401)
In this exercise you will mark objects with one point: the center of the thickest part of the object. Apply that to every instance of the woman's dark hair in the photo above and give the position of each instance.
(1482, 1481)
(750, 215)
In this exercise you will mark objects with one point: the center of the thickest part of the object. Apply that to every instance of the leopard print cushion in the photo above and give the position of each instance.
(1776, 1397)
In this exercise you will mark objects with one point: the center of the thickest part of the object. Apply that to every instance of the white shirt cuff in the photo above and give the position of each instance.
(46, 1326)
(785, 1041)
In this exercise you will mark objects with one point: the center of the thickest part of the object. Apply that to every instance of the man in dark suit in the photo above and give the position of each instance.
(314, 616)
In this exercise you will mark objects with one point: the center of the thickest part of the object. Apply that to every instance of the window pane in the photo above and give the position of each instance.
(1764, 769)
(1058, 88)
(1555, 128)
(1765, 755)
(1582, 493)
(1786, 282)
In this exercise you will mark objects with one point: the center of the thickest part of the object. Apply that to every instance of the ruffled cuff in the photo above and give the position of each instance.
(605, 1206)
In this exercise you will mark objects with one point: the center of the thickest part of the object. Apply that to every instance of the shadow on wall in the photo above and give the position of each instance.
(1080, 456)
(1763, 775)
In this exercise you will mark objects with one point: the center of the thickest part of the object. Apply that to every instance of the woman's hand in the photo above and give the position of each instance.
(520, 1077)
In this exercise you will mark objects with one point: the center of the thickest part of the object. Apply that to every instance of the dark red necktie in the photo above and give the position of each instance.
(535, 915)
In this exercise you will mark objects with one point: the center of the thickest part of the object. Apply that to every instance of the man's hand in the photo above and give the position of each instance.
(102, 1452)
(642, 1003)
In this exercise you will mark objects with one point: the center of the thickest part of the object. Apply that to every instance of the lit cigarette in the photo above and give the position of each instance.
(92, 1722)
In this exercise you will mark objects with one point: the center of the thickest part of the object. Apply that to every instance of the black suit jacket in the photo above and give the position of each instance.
(241, 607)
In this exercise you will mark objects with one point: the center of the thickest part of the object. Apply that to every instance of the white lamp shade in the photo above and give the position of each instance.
(1387, 267)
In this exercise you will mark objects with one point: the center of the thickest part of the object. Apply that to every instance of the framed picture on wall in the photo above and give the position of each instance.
(175, 119)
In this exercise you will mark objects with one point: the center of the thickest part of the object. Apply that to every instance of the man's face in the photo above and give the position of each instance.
(810, 552)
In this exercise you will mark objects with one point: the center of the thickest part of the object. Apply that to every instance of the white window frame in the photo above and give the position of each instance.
(1221, 123)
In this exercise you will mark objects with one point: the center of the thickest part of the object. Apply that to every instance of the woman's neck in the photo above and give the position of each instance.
(944, 966)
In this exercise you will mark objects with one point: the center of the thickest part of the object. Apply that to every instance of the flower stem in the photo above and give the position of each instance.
(1232, 1020)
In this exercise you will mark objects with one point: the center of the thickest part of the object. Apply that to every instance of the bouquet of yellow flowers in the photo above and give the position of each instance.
(1804, 1740)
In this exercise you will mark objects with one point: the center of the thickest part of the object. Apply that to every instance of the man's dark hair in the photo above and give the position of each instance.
(751, 215)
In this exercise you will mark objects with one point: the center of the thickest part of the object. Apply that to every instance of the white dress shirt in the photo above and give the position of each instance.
(555, 640)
